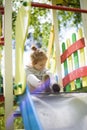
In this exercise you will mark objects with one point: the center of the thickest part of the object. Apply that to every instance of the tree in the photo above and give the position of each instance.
(41, 19)
(67, 18)
(40, 23)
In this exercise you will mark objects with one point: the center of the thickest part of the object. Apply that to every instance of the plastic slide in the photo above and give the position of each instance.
(28, 112)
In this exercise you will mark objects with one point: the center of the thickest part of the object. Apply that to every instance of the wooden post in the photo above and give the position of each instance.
(57, 45)
(83, 5)
(82, 58)
(8, 86)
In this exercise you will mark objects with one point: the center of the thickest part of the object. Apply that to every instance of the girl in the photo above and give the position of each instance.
(39, 79)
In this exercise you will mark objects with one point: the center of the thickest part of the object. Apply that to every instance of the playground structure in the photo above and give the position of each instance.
(74, 61)
(8, 90)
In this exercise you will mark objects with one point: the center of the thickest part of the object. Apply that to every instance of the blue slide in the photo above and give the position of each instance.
(29, 115)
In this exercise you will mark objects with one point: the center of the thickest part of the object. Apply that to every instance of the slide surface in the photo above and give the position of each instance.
(64, 111)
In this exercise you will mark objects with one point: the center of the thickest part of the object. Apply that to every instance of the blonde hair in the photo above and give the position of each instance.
(37, 55)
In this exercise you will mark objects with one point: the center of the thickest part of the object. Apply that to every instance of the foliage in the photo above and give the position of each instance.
(70, 19)
(40, 21)
(1, 2)
(18, 123)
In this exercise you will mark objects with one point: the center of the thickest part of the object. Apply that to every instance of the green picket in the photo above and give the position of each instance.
(76, 62)
(67, 87)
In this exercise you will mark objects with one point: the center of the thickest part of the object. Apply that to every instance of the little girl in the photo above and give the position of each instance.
(39, 79)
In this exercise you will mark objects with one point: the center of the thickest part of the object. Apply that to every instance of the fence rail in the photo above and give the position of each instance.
(73, 60)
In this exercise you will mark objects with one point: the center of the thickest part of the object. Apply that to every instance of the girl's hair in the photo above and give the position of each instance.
(37, 55)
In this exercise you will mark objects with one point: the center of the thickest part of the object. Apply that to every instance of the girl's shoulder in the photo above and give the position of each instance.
(29, 68)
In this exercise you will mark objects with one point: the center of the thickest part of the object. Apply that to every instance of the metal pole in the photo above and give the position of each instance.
(55, 7)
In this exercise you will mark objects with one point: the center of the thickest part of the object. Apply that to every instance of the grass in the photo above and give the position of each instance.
(18, 122)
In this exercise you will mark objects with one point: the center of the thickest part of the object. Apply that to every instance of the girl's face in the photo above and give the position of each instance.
(40, 65)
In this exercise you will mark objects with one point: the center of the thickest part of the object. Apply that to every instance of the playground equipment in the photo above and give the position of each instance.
(50, 45)
(8, 90)
(73, 60)
(30, 119)
(65, 111)
(27, 107)
(51, 52)
(74, 63)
